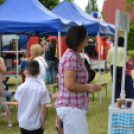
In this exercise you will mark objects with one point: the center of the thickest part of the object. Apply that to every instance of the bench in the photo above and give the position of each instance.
(54, 96)
(103, 84)
(55, 85)
(16, 104)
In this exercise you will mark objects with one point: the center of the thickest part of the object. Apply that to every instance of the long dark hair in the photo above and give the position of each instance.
(75, 35)
(53, 42)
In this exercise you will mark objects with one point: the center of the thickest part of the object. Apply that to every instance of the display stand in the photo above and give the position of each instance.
(12, 72)
(121, 121)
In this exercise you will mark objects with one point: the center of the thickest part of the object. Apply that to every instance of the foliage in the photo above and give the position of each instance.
(50, 4)
(92, 6)
(129, 1)
(131, 54)
(131, 36)
(129, 5)
(1, 2)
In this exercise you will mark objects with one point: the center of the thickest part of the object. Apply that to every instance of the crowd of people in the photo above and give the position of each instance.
(72, 102)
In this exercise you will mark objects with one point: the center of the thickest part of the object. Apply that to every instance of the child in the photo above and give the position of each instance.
(22, 66)
(32, 97)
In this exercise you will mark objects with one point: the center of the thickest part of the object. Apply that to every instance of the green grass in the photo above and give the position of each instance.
(97, 116)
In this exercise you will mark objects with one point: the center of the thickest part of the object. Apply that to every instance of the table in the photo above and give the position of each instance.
(121, 121)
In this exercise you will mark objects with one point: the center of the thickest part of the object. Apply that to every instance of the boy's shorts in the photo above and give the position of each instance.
(3, 102)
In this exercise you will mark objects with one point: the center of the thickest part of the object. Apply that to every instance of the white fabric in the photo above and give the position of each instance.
(74, 120)
(42, 64)
(30, 95)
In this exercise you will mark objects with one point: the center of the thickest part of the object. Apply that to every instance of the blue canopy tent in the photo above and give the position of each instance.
(70, 11)
(29, 16)
(18, 16)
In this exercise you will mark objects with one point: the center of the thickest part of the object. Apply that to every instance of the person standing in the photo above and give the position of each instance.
(32, 97)
(22, 67)
(50, 50)
(129, 67)
(72, 102)
(119, 66)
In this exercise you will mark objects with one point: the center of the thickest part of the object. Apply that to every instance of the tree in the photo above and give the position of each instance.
(50, 4)
(1, 2)
(92, 6)
(131, 36)
(129, 1)
(129, 5)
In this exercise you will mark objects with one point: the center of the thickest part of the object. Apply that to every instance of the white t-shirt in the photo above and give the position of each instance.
(31, 95)
(42, 64)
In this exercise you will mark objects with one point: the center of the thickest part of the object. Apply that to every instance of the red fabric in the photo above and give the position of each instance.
(129, 67)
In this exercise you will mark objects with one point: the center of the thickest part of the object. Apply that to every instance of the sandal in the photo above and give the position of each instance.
(10, 124)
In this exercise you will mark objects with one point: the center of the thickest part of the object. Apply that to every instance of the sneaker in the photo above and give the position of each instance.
(3, 113)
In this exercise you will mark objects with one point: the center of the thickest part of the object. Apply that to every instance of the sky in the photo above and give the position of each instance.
(83, 3)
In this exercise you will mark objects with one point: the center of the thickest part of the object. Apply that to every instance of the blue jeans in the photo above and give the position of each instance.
(8, 94)
(50, 72)
(130, 86)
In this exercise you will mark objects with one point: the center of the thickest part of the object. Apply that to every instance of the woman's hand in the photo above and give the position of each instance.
(94, 87)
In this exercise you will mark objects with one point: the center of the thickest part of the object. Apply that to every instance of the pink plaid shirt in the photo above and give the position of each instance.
(72, 61)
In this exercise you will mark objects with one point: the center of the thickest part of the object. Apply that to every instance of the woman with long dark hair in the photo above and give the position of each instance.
(72, 102)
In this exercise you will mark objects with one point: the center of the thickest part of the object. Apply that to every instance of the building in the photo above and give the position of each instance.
(110, 7)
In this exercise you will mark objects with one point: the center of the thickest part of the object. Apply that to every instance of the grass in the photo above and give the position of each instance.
(97, 116)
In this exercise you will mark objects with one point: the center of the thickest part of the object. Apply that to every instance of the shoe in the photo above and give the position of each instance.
(3, 113)
(10, 125)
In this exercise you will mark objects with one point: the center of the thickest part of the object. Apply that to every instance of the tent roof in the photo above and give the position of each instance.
(29, 16)
(70, 11)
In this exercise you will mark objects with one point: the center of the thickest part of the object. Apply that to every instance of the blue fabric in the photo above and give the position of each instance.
(130, 86)
(23, 40)
(29, 16)
(122, 120)
(23, 65)
(70, 11)
(8, 94)
(50, 72)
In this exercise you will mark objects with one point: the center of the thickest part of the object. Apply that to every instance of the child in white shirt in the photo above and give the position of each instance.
(32, 97)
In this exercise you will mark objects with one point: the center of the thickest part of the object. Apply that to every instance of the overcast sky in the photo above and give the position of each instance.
(83, 3)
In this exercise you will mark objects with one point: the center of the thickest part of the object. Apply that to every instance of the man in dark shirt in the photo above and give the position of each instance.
(50, 49)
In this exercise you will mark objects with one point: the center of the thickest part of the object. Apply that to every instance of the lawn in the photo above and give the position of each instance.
(97, 116)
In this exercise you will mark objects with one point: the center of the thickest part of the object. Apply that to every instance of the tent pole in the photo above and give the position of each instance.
(124, 64)
(114, 67)
(98, 35)
(17, 54)
(59, 43)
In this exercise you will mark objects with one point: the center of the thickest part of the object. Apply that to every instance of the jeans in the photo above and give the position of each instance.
(50, 72)
(38, 131)
(130, 85)
(8, 94)
(117, 83)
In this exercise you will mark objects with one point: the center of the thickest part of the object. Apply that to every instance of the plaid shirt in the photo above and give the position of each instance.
(72, 61)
